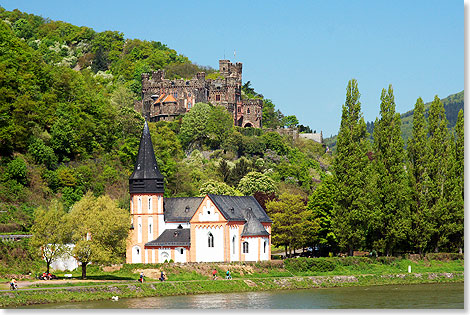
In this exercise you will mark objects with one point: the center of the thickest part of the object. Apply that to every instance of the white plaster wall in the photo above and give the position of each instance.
(204, 253)
(136, 257)
(178, 256)
(150, 229)
(139, 229)
(252, 254)
(264, 255)
(162, 253)
(161, 225)
(234, 255)
(208, 212)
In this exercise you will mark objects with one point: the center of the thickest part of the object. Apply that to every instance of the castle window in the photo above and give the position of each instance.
(239, 109)
(150, 205)
(189, 105)
(217, 97)
(247, 110)
(139, 205)
(210, 240)
(245, 247)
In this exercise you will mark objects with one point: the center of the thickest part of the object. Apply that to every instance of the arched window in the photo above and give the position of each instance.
(210, 240)
(233, 243)
(245, 247)
(265, 247)
(181, 251)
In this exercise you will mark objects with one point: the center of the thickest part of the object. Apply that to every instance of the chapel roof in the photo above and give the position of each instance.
(252, 226)
(146, 177)
(232, 207)
(172, 237)
(180, 209)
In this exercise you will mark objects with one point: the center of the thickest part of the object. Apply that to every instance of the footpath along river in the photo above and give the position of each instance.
(417, 296)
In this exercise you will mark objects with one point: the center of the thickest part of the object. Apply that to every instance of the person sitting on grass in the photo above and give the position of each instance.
(141, 277)
(162, 276)
(214, 274)
(228, 276)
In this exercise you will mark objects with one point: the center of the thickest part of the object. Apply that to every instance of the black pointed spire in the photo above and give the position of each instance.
(146, 177)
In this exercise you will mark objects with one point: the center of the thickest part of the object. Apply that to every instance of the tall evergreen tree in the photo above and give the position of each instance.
(351, 175)
(453, 190)
(418, 152)
(390, 220)
(439, 158)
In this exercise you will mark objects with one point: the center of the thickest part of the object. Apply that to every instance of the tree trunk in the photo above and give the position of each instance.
(48, 263)
(84, 270)
(286, 250)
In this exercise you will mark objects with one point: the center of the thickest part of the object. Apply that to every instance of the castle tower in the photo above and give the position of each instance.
(146, 190)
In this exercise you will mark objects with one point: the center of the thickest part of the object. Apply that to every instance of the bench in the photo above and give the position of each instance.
(68, 275)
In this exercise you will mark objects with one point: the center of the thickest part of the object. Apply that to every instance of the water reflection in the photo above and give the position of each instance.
(423, 296)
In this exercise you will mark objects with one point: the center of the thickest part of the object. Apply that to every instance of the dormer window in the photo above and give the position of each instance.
(232, 210)
(186, 209)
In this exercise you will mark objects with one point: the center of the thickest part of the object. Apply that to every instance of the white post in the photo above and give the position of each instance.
(409, 268)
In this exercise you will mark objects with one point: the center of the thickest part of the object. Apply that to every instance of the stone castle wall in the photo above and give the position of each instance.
(225, 91)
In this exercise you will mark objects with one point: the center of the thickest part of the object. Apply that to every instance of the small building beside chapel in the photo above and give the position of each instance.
(212, 228)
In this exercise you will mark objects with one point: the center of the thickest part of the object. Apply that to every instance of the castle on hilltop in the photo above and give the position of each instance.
(164, 99)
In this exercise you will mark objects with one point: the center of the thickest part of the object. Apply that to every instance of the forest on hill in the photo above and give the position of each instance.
(68, 127)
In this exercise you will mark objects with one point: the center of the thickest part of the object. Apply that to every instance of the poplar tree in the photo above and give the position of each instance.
(453, 190)
(439, 158)
(418, 155)
(390, 220)
(352, 175)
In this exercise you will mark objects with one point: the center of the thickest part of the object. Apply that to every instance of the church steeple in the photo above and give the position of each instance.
(146, 177)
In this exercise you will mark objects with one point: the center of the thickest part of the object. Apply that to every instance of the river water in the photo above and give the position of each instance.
(418, 296)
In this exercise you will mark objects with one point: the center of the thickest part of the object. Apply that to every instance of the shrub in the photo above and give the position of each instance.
(16, 170)
(444, 256)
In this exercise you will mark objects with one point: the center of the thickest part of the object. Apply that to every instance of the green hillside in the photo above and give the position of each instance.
(68, 126)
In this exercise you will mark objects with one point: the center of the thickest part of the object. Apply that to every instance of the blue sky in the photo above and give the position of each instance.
(300, 54)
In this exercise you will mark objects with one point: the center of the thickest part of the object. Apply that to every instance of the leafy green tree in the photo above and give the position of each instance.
(439, 159)
(289, 121)
(16, 170)
(49, 232)
(352, 175)
(418, 155)
(217, 188)
(390, 220)
(321, 203)
(219, 125)
(274, 142)
(254, 182)
(224, 170)
(42, 153)
(271, 117)
(291, 227)
(194, 124)
(453, 191)
(241, 168)
(99, 230)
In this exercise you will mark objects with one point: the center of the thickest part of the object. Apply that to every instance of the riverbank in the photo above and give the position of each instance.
(12, 299)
